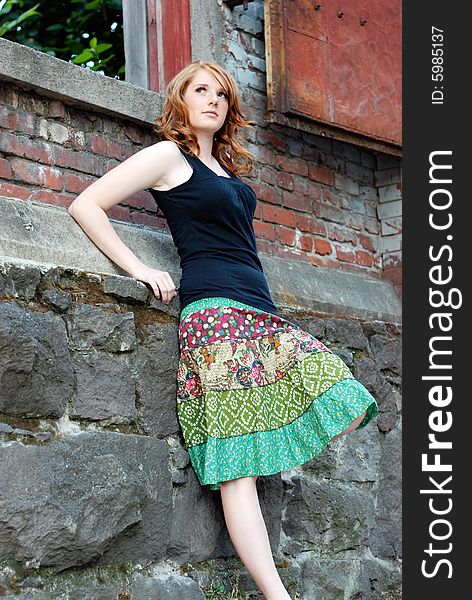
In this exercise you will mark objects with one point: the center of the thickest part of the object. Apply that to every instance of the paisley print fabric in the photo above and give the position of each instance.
(256, 394)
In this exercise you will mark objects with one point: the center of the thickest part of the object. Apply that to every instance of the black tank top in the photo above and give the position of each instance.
(210, 220)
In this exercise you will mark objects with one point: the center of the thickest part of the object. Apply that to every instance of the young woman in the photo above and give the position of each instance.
(256, 394)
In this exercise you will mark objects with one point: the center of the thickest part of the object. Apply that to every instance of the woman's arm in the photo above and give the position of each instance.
(139, 172)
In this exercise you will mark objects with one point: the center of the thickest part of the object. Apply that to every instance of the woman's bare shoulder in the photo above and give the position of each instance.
(167, 157)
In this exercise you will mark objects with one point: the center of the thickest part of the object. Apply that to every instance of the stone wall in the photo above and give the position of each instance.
(98, 499)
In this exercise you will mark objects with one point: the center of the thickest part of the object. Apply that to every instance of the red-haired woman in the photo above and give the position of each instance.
(256, 393)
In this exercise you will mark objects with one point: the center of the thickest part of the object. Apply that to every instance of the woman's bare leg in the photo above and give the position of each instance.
(248, 533)
(352, 426)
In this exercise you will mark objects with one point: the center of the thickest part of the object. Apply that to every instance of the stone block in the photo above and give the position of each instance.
(327, 517)
(105, 389)
(91, 328)
(358, 456)
(155, 366)
(35, 366)
(94, 496)
(346, 332)
(387, 352)
(18, 280)
(386, 536)
(165, 586)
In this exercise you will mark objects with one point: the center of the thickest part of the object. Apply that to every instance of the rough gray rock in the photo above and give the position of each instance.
(327, 517)
(124, 288)
(105, 389)
(66, 503)
(92, 328)
(386, 537)
(19, 280)
(57, 300)
(358, 455)
(366, 371)
(377, 577)
(155, 365)
(346, 332)
(36, 373)
(387, 352)
(325, 579)
(166, 586)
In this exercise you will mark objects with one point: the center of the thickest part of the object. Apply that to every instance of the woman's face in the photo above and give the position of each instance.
(204, 96)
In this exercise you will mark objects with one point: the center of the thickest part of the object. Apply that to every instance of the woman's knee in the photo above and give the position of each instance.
(239, 480)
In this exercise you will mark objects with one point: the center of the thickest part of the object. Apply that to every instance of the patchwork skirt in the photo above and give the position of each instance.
(256, 394)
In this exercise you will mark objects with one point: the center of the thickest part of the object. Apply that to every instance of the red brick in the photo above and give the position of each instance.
(285, 180)
(313, 190)
(341, 234)
(292, 165)
(366, 242)
(10, 190)
(355, 221)
(118, 213)
(377, 261)
(105, 147)
(328, 213)
(393, 275)
(392, 260)
(5, 169)
(300, 184)
(80, 161)
(143, 218)
(310, 224)
(264, 230)
(267, 193)
(142, 200)
(268, 175)
(136, 135)
(318, 261)
(321, 174)
(345, 255)
(288, 253)
(24, 147)
(264, 247)
(322, 247)
(273, 214)
(330, 197)
(297, 201)
(52, 178)
(306, 243)
(77, 183)
(363, 258)
(56, 109)
(271, 138)
(16, 120)
(286, 236)
(36, 173)
(76, 139)
(50, 197)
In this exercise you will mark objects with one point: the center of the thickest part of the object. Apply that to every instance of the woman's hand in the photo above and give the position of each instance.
(160, 281)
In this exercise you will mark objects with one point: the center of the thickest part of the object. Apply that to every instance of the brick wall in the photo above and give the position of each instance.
(322, 201)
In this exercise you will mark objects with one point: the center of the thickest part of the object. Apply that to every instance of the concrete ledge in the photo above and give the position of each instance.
(48, 234)
(56, 78)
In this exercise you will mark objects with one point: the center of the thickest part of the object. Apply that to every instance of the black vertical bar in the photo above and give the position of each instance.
(436, 127)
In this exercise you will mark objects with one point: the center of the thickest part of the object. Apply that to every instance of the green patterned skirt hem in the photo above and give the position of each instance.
(269, 452)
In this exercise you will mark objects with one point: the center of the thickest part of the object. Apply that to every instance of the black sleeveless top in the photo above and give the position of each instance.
(210, 220)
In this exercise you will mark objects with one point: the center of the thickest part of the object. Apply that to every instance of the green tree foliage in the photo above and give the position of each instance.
(85, 32)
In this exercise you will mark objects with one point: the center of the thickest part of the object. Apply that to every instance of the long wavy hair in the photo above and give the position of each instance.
(174, 122)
